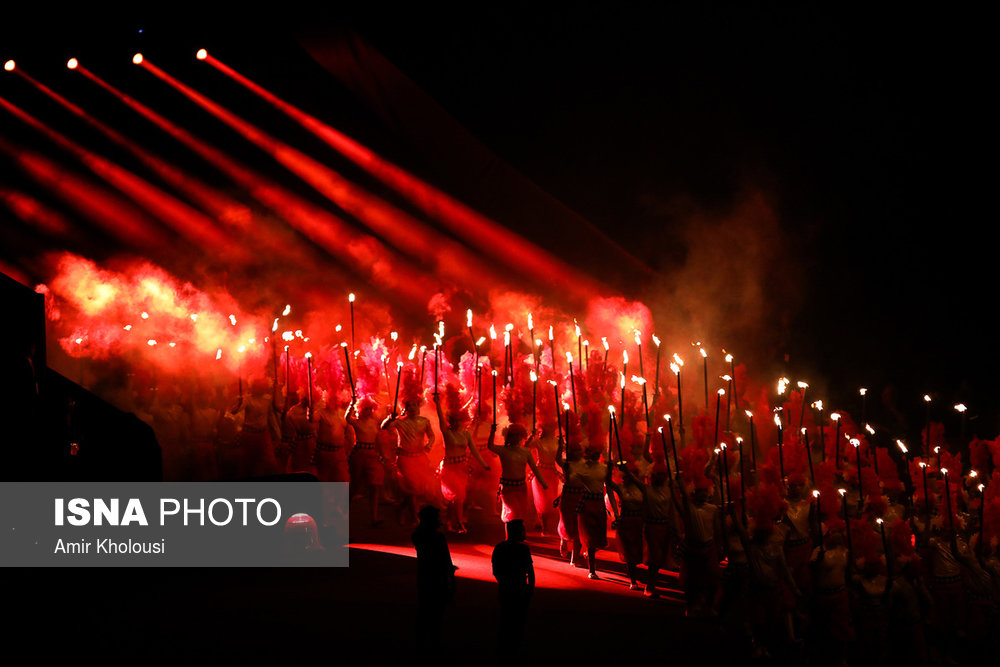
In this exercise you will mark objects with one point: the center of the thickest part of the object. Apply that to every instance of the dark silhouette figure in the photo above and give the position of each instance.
(435, 579)
(515, 575)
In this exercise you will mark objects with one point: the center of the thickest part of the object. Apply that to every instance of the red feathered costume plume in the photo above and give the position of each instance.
(455, 405)
(873, 492)
(410, 390)
(765, 505)
(866, 542)
(333, 378)
(936, 438)
(693, 460)
(702, 429)
(991, 513)
(889, 473)
(901, 539)
(369, 370)
(596, 426)
(516, 400)
(979, 455)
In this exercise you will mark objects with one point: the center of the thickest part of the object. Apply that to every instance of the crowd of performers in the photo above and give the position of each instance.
(820, 529)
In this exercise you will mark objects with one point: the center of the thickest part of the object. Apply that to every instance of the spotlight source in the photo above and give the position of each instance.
(9, 65)
(201, 55)
(137, 59)
(72, 63)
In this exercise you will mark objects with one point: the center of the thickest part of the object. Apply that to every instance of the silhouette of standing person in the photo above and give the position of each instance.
(435, 579)
(515, 575)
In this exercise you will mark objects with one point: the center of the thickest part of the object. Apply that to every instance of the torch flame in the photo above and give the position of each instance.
(961, 407)
(622, 381)
(338, 328)
(842, 492)
(241, 348)
(981, 487)
(577, 326)
(748, 414)
(144, 315)
(534, 376)
(902, 447)
(494, 373)
(729, 358)
(878, 520)
(232, 319)
(675, 368)
(656, 340)
(666, 417)
(835, 416)
(569, 358)
(638, 380)
(493, 332)
(863, 391)
(638, 337)
(927, 398)
(704, 354)
(394, 336)
(194, 317)
(350, 297)
(722, 392)
(815, 493)
(777, 420)
(287, 310)
(482, 339)
(611, 409)
(553, 383)
(309, 355)
(413, 351)
(551, 334)
(151, 342)
(274, 327)
(868, 427)
(625, 356)
(468, 318)
(818, 405)
(855, 442)
(944, 471)
(604, 341)
(218, 354)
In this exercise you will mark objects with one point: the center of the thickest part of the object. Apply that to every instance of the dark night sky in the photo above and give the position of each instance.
(865, 129)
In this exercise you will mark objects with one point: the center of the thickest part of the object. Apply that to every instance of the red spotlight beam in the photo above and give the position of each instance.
(186, 221)
(479, 231)
(223, 208)
(34, 212)
(448, 258)
(109, 211)
(364, 254)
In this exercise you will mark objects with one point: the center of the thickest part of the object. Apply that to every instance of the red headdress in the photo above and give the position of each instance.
(936, 438)
(979, 455)
(901, 539)
(410, 390)
(765, 505)
(702, 428)
(692, 460)
(456, 410)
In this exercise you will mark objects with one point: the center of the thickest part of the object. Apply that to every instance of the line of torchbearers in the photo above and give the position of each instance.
(805, 524)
